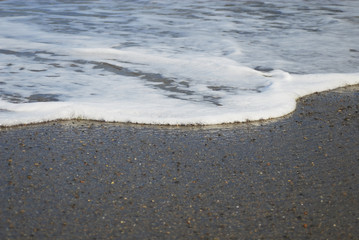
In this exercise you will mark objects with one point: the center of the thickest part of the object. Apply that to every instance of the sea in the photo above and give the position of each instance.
(176, 62)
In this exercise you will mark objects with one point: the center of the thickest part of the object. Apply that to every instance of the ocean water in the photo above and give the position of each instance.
(171, 62)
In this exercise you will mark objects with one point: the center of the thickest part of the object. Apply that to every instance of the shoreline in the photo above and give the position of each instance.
(298, 101)
(292, 177)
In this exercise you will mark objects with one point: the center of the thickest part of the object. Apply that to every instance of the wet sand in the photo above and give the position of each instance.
(291, 178)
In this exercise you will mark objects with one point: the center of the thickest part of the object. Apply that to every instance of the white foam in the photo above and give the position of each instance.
(152, 65)
(139, 104)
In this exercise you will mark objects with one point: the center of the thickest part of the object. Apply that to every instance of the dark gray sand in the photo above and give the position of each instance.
(292, 178)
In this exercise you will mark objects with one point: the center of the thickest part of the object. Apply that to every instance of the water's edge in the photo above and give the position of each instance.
(299, 102)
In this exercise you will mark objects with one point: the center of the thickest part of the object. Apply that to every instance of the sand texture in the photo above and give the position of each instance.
(291, 178)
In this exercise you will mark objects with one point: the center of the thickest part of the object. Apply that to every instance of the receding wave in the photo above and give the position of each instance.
(181, 63)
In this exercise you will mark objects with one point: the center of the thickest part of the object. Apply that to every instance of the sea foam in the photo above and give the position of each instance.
(184, 63)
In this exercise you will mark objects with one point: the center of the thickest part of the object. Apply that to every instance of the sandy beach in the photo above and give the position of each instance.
(296, 177)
